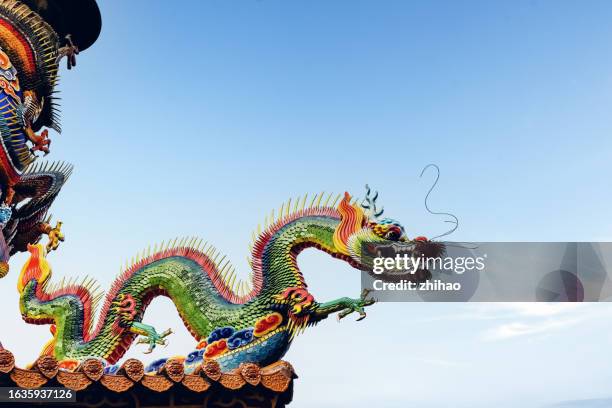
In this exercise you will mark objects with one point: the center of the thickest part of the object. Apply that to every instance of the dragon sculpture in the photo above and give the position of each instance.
(33, 41)
(233, 322)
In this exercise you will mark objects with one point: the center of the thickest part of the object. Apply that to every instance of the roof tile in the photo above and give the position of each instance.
(276, 378)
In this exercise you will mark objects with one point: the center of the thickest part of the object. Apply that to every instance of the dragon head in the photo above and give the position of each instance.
(362, 226)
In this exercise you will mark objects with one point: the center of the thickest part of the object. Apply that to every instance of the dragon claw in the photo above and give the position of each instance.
(357, 305)
(364, 293)
(40, 142)
(344, 313)
(150, 336)
(55, 235)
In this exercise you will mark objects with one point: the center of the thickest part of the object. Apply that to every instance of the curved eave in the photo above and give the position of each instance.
(276, 378)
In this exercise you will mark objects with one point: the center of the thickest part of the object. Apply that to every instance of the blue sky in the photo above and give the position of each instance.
(198, 119)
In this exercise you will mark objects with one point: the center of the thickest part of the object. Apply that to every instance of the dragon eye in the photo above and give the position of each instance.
(392, 235)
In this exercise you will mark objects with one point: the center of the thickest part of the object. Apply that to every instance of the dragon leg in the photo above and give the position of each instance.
(125, 307)
(149, 335)
(344, 306)
(55, 234)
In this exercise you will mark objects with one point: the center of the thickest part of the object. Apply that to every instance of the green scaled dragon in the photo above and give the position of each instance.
(234, 323)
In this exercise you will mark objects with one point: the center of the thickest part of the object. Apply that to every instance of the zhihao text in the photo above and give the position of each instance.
(436, 285)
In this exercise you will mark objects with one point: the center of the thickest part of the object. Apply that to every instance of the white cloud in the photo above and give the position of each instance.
(530, 319)
(506, 310)
(517, 329)
(440, 362)
(539, 309)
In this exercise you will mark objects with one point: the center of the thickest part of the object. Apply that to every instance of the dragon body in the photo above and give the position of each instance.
(233, 322)
(30, 50)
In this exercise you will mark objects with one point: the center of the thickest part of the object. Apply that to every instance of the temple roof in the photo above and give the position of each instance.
(275, 380)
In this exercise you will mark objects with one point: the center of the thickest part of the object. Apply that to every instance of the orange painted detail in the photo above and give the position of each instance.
(201, 345)
(9, 89)
(68, 365)
(19, 45)
(5, 62)
(36, 268)
(267, 324)
(351, 220)
(216, 348)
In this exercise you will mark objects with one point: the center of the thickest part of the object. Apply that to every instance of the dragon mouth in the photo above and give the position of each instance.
(410, 249)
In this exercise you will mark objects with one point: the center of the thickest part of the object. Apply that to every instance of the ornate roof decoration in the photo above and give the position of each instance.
(274, 382)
